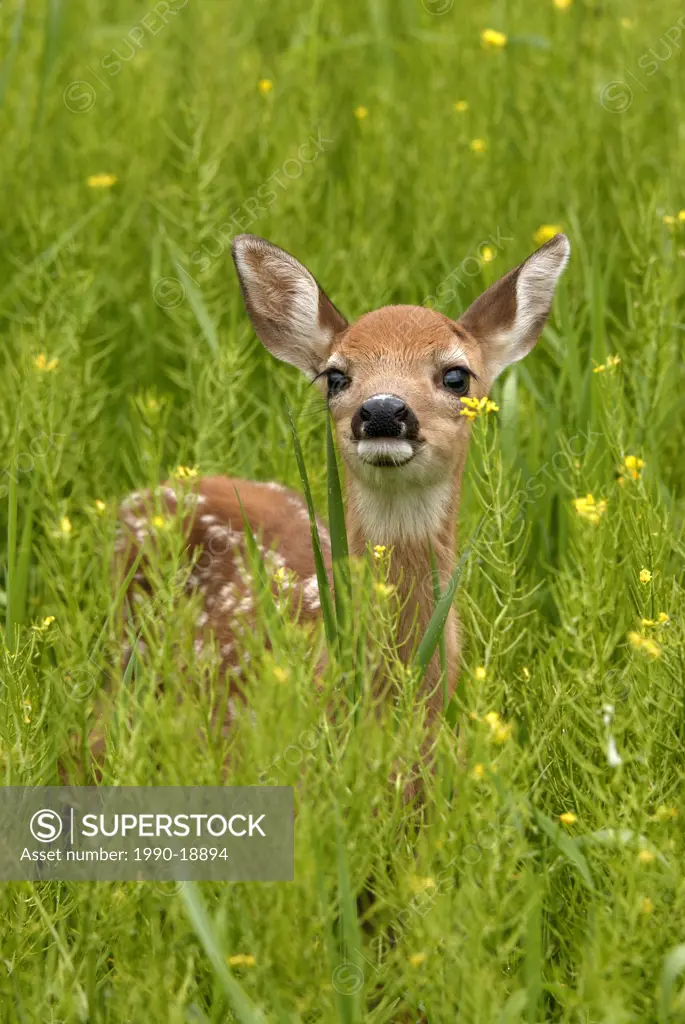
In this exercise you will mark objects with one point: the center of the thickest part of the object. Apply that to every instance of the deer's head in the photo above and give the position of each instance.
(395, 378)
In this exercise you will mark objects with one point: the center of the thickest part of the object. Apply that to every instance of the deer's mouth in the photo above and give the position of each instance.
(386, 452)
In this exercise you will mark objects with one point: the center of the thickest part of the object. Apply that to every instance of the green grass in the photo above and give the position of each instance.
(520, 918)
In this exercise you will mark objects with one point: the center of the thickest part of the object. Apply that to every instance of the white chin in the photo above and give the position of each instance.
(386, 452)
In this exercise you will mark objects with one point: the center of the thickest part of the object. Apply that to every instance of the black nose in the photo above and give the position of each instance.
(384, 416)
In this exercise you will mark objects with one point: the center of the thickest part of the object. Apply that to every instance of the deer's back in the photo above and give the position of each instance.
(212, 523)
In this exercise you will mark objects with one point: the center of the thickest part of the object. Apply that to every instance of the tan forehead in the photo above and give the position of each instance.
(411, 332)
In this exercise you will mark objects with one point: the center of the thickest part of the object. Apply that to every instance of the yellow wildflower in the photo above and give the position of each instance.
(281, 675)
(478, 771)
(611, 363)
(646, 907)
(643, 643)
(664, 813)
(589, 509)
(361, 113)
(546, 232)
(634, 466)
(502, 733)
(669, 220)
(241, 960)
(43, 363)
(487, 254)
(416, 959)
(65, 526)
(645, 856)
(383, 589)
(45, 624)
(265, 85)
(379, 550)
(645, 576)
(681, 214)
(101, 180)
(568, 818)
(480, 673)
(492, 39)
(661, 620)
(562, 5)
(499, 731)
(100, 506)
(476, 406)
(159, 522)
(184, 473)
(461, 106)
(526, 674)
(418, 884)
(478, 145)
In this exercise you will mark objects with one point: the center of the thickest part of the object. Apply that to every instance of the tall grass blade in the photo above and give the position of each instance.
(199, 308)
(336, 525)
(436, 626)
(533, 952)
(564, 844)
(349, 1002)
(321, 576)
(442, 641)
(6, 68)
(11, 583)
(242, 1006)
(265, 594)
(50, 46)
(674, 965)
(24, 559)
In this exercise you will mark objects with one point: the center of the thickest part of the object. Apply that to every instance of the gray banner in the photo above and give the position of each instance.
(139, 833)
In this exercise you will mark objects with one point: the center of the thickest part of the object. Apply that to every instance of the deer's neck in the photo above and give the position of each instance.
(411, 524)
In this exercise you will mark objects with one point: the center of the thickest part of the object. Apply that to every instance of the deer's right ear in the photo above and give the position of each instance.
(508, 318)
(290, 313)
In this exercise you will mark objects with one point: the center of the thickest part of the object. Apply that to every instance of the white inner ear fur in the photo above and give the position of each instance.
(284, 291)
(535, 287)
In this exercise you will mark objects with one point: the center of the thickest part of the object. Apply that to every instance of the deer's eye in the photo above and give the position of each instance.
(456, 380)
(337, 381)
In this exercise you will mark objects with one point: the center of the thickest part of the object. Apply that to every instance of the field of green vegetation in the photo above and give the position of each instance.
(405, 157)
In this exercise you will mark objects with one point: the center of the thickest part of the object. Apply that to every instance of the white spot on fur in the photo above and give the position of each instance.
(310, 593)
(132, 499)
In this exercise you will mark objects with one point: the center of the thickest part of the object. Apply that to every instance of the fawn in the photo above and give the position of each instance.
(394, 382)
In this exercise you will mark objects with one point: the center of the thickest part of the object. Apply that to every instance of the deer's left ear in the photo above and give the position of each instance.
(291, 314)
(508, 318)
